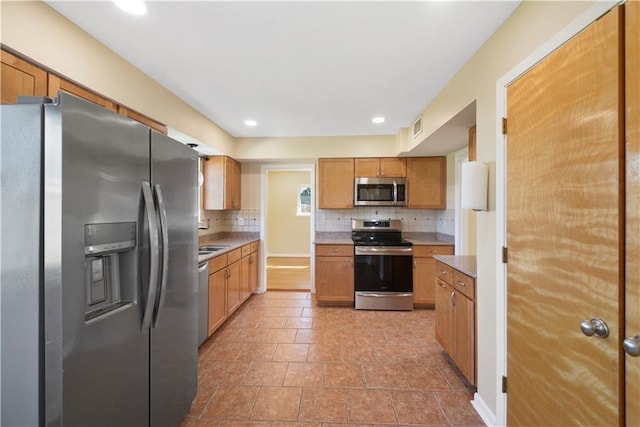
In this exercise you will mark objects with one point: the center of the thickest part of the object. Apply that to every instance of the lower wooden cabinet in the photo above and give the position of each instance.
(334, 274)
(249, 269)
(232, 279)
(424, 269)
(456, 318)
(217, 299)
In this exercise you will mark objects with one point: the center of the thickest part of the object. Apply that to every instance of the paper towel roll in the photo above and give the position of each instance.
(475, 180)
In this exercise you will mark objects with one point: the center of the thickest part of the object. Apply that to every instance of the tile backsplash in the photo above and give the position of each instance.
(243, 220)
(413, 220)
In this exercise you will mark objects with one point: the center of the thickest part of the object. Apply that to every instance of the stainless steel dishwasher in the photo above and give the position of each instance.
(203, 301)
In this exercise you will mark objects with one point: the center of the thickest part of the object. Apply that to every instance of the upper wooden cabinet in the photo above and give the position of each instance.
(57, 84)
(335, 183)
(20, 78)
(427, 182)
(392, 167)
(221, 183)
(142, 119)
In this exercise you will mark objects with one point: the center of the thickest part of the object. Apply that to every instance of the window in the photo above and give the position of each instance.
(304, 200)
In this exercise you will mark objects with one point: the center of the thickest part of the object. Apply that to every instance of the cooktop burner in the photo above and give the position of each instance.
(377, 233)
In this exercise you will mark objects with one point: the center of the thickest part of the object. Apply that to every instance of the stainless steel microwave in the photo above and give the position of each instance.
(380, 192)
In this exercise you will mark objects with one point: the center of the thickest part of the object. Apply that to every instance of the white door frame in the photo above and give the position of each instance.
(598, 9)
(306, 167)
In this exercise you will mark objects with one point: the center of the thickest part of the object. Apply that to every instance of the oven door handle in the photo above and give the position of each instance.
(389, 295)
(384, 250)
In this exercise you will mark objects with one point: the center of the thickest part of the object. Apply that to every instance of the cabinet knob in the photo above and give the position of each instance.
(461, 283)
(444, 272)
(632, 345)
(594, 327)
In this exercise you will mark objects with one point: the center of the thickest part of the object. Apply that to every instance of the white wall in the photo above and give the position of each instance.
(39, 32)
(531, 25)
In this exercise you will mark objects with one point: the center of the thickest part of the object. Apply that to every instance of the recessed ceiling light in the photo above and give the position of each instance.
(134, 7)
(378, 120)
(251, 123)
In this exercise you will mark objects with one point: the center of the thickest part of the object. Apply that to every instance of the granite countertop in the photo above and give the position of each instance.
(233, 240)
(464, 264)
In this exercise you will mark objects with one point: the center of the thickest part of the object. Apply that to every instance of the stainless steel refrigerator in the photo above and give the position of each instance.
(98, 278)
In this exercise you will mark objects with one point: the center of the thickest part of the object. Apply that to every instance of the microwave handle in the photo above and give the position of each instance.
(395, 192)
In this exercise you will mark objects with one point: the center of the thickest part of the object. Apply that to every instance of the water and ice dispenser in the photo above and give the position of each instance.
(109, 267)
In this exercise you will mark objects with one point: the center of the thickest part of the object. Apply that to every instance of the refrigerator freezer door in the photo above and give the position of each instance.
(21, 265)
(174, 354)
(97, 160)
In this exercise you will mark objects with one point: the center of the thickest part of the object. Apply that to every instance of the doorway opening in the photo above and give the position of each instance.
(288, 194)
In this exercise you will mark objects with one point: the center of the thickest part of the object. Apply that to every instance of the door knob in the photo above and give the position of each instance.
(594, 327)
(632, 345)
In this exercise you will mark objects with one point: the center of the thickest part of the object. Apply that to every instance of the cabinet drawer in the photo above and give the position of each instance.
(444, 272)
(464, 284)
(334, 250)
(234, 255)
(217, 263)
(431, 250)
(246, 250)
(254, 246)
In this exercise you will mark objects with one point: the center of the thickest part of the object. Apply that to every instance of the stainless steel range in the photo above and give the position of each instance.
(383, 267)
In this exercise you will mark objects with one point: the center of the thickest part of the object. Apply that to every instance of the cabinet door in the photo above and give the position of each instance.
(234, 287)
(464, 321)
(367, 168)
(142, 119)
(245, 278)
(232, 183)
(253, 272)
(217, 300)
(57, 84)
(444, 317)
(20, 78)
(335, 183)
(393, 167)
(424, 281)
(427, 182)
(334, 280)
(221, 183)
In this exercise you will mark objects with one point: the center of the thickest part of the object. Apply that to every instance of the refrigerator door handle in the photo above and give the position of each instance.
(152, 289)
(164, 231)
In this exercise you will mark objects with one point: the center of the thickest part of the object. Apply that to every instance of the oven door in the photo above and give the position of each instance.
(383, 278)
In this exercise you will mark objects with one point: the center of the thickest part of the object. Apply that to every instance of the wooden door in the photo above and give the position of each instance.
(427, 182)
(424, 276)
(393, 167)
(245, 277)
(20, 78)
(334, 279)
(232, 183)
(564, 224)
(217, 300)
(632, 240)
(444, 316)
(234, 287)
(464, 320)
(335, 183)
(367, 167)
(253, 272)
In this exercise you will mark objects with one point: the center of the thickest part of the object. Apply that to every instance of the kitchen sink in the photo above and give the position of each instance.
(212, 248)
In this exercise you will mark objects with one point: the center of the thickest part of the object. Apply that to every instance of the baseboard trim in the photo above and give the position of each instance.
(483, 410)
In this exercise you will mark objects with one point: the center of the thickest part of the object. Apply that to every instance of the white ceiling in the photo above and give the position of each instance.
(298, 68)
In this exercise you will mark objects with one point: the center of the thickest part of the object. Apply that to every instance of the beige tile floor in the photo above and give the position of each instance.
(282, 361)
